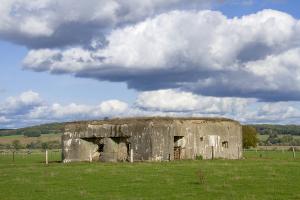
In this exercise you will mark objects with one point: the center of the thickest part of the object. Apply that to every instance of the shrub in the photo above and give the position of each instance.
(45, 145)
(249, 137)
(199, 157)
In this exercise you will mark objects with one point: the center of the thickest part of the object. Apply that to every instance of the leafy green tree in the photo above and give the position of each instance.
(287, 140)
(296, 142)
(45, 145)
(249, 137)
(16, 145)
(32, 133)
(19, 132)
(31, 145)
(267, 129)
(273, 139)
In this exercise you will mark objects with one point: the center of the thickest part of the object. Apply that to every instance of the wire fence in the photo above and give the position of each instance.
(273, 153)
(24, 156)
(29, 156)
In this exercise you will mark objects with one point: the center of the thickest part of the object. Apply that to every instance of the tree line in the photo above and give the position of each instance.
(250, 136)
(16, 145)
(268, 129)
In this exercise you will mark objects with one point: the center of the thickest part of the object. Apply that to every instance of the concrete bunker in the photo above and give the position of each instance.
(152, 139)
(111, 149)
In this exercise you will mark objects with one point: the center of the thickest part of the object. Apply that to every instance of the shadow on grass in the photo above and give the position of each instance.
(53, 161)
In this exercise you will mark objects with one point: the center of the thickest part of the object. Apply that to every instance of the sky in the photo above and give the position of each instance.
(66, 60)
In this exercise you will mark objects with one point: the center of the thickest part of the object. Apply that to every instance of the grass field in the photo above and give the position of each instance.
(262, 175)
(27, 140)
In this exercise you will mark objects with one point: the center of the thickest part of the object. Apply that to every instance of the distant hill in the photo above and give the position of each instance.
(4, 132)
(35, 131)
(267, 129)
(56, 128)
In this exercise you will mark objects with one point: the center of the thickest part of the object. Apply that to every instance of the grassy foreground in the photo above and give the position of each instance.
(263, 175)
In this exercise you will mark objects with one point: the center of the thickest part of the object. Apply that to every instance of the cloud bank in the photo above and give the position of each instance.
(56, 23)
(204, 52)
(29, 109)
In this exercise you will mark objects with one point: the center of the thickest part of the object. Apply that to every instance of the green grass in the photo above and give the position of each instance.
(12, 136)
(263, 137)
(24, 140)
(273, 155)
(274, 175)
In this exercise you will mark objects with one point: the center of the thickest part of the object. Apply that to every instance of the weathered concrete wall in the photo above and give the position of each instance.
(151, 139)
(77, 149)
(196, 138)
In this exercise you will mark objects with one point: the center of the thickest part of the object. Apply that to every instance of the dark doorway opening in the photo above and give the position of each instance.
(101, 148)
(177, 153)
(177, 147)
(96, 147)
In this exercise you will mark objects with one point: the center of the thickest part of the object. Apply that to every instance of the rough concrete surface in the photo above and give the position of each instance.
(152, 139)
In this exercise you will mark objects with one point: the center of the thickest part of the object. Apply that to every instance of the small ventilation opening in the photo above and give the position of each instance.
(201, 139)
(177, 139)
(225, 144)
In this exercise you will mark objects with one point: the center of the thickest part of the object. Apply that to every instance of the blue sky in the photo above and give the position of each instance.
(240, 8)
(62, 88)
(64, 61)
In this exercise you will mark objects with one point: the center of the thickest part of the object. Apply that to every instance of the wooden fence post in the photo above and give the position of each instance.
(46, 156)
(131, 155)
(294, 154)
(90, 158)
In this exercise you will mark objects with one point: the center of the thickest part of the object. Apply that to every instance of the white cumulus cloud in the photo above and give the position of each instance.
(53, 23)
(178, 101)
(22, 103)
(31, 109)
(203, 52)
